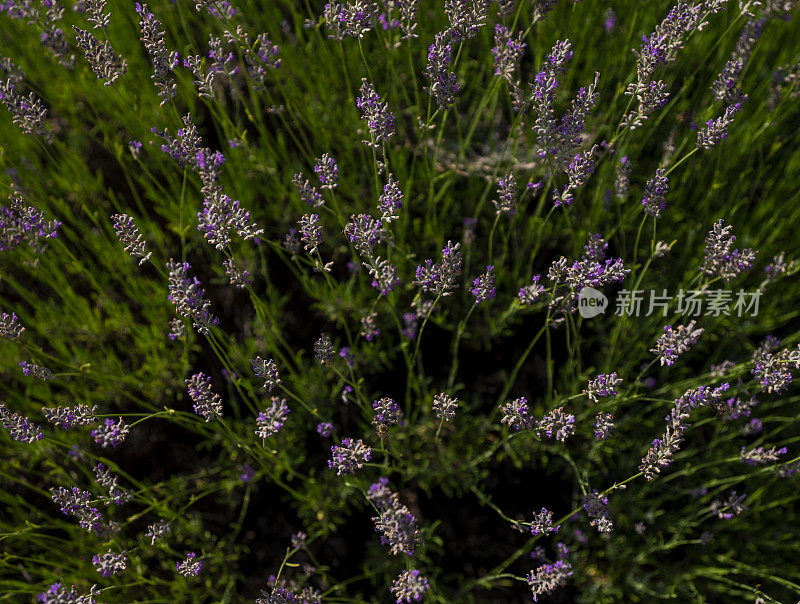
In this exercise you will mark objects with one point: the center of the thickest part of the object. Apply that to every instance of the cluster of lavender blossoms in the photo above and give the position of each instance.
(267, 370)
(130, 237)
(659, 48)
(58, 594)
(545, 579)
(663, 450)
(772, 369)
(543, 524)
(395, 523)
(27, 112)
(20, 428)
(716, 130)
(270, 422)
(675, 341)
(410, 586)
(444, 406)
(350, 456)
(721, 259)
(111, 433)
(593, 270)
(605, 384)
(189, 567)
(163, 60)
(75, 502)
(375, 112)
(654, 199)
(101, 57)
(21, 223)
(595, 505)
(187, 296)
(440, 279)
(387, 413)
(207, 403)
(10, 327)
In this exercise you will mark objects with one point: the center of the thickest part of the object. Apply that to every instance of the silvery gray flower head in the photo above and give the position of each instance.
(10, 327)
(271, 421)
(726, 87)
(731, 506)
(663, 449)
(659, 48)
(11, 71)
(110, 563)
(350, 456)
(541, 8)
(715, 131)
(189, 567)
(21, 223)
(222, 216)
(307, 192)
(19, 427)
(773, 370)
(483, 286)
(375, 112)
(102, 59)
(529, 294)
(543, 524)
(654, 199)
(517, 415)
(187, 296)
(578, 173)
(596, 506)
(387, 413)
(543, 94)
(69, 417)
(441, 278)
(185, 148)
(409, 586)
(163, 60)
(369, 330)
(466, 17)
(364, 232)
(761, 456)
(107, 480)
(29, 113)
(220, 9)
(506, 202)
(662, 248)
(603, 426)
(177, 329)
(310, 232)
(605, 384)
(237, 277)
(267, 370)
(396, 523)
(390, 201)
(507, 52)
(545, 579)
(442, 83)
(158, 530)
(675, 341)
(556, 424)
(444, 406)
(130, 237)
(327, 171)
(37, 372)
(111, 433)
(96, 13)
(323, 349)
(207, 403)
(721, 259)
(75, 502)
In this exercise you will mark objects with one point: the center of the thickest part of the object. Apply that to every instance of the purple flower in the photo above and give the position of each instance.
(530, 293)
(267, 371)
(364, 232)
(721, 258)
(310, 232)
(596, 506)
(605, 384)
(327, 171)
(716, 130)
(110, 563)
(506, 202)
(271, 421)
(102, 59)
(130, 237)
(350, 456)
(442, 85)
(187, 296)
(19, 427)
(207, 403)
(409, 586)
(157, 530)
(76, 502)
(21, 223)
(390, 201)
(483, 287)
(543, 523)
(548, 577)
(517, 414)
(507, 52)
(444, 406)
(110, 433)
(557, 424)
(440, 278)
(603, 426)
(189, 567)
(375, 112)
(655, 192)
(675, 341)
(325, 429)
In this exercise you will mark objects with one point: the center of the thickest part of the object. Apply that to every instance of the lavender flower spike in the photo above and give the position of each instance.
(102, 59)
(375, 112)
(130, 237)
(674, 342)
(207, 403)
(350, 456)
(548, 577)
(29, 113)
(715, 131)
(655, 193)
(270, 422)
(10, 327)
(409, 586)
